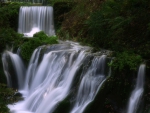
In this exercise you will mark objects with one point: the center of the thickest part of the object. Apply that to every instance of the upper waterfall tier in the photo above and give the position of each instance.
(33, 19)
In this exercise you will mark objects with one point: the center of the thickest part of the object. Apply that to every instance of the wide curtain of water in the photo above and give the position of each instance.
(33, 19)
(50, 77)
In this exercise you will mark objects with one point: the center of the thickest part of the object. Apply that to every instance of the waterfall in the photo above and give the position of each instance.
(138, 91)
(33, 19)
(18, 67)
(90, 84)
(50, 76)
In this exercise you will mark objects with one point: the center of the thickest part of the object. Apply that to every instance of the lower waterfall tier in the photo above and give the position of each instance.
(54, 73)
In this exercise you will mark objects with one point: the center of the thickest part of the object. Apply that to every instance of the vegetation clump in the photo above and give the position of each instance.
(31, 44)
(126, 60)
(9, 14)
(7, 96)
(9, 25)
(8, 37)
(121, 26)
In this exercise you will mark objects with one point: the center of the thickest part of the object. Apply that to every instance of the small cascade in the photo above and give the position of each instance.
(18, 67)
(50, 76)
(33, 19)
(90, 84)
(138, 91)
(32, 68)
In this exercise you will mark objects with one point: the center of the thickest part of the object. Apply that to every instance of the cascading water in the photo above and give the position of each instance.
(18, 66)
(138, 91)
(33, 19)
(50, 75)
(90, 84)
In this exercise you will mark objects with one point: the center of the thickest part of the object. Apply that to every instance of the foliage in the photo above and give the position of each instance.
(6, 97)
(52, 2)
(8, 37)
(9, 15)
(74, 20)
(40, 34)
(126, 60)
(38, 39)
(8, 25)
(60, 10)
(121, 26)
(111, 24)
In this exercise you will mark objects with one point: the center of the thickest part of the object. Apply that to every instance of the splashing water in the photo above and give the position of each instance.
(33, 19)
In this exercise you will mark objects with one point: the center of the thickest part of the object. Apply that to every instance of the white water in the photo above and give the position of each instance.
(18, 66)
(90, 84)
(33, 19)
(138, 91)
(50, 76)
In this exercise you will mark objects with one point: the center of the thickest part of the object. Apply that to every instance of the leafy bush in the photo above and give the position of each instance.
(121, 26)
(9, 15)
(8, 37)
(38, 39)
(126, 60)
(40, 34)
(6, 97)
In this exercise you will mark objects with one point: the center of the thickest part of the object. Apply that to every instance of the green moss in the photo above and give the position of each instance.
(31, 44)
(41, 35)
(126, 60)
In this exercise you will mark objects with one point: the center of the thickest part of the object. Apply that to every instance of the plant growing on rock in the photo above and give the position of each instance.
(31, 44)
